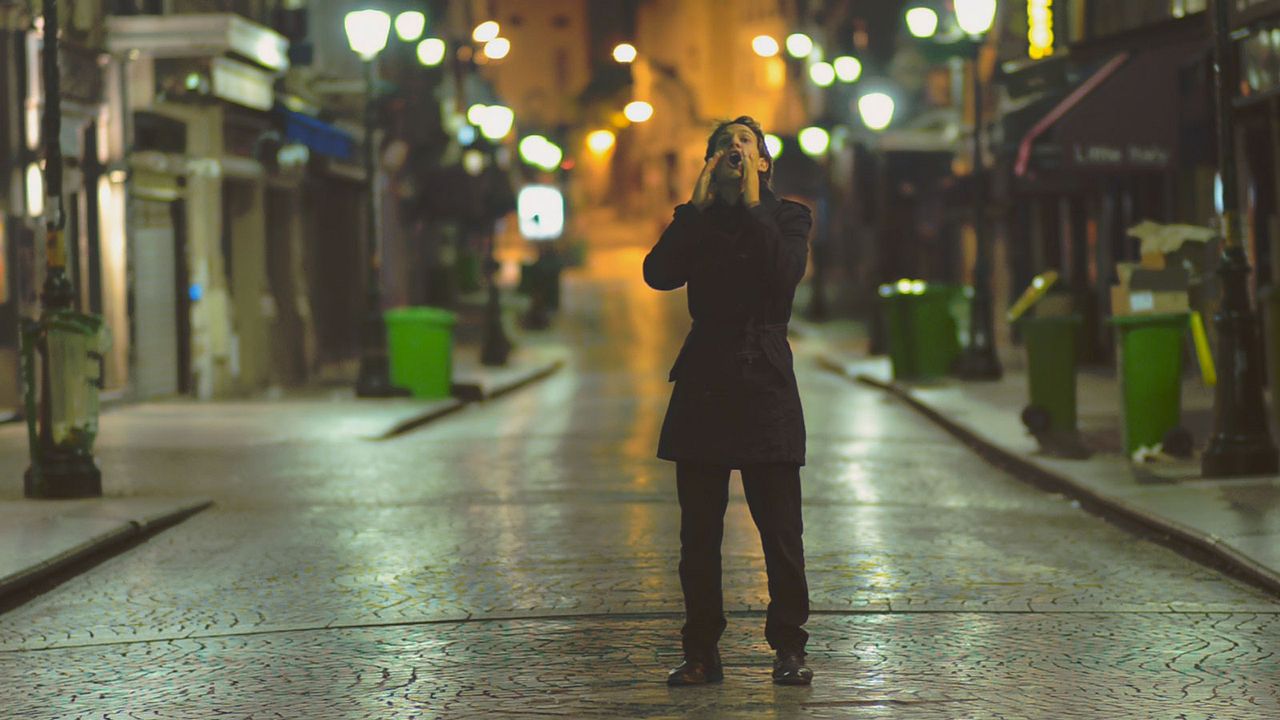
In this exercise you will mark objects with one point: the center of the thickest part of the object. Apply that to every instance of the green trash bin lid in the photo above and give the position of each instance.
(421, 315)
(1149, 319)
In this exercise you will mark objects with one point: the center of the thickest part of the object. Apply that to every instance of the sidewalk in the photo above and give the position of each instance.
(40, 538)
(1236, 521)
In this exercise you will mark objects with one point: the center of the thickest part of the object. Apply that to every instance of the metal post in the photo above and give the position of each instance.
(374, 380)
(57, 470)
(979, 360)
(1240, 443)
(495, 347)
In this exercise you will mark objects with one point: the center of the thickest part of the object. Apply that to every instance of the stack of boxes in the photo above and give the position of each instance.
(1160, 282)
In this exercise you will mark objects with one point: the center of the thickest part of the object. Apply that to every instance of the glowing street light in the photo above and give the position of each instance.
(367, 32)
(600, 141)
(773, 144)
(410, 24)
(822, 74)
(475, 113)
(485, 31)
(764, 46)
(638, 111)
(431, 52)
(540, 152)
(496, 121)
(799, 45)
(624, 53)
(497, 48)
(848, 68)
(876, 109)
(35, 191)
(814, 141)
(975, 16)
(922, 22)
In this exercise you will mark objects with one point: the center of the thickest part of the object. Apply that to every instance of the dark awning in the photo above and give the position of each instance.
(1124, 118)
(319, 136)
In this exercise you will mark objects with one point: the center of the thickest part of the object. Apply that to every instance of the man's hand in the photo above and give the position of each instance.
(703, 193)
(751, 176)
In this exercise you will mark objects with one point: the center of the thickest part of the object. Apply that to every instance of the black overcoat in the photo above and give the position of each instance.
(735, 400)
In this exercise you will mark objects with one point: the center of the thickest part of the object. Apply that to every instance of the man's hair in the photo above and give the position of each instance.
(765, 177)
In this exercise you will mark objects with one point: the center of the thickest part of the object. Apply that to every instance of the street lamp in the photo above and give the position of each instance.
(877, 110)
(764, 46)
(773, 144)
(922, 22)
(624, 53)
(638, 111)
(848, 68)
(497, 48)
(979, 360)
(799, 45)
(431, 52)
(814, 141)
(1240, 443)
(822, 74)
(367, 32)
(410, 24)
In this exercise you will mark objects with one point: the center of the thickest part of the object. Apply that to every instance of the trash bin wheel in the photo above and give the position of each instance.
(1037, 419)
(1179, 443)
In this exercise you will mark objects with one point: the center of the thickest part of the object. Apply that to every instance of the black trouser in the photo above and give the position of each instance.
(773, 495)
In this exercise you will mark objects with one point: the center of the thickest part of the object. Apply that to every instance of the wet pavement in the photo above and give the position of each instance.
(518, 559)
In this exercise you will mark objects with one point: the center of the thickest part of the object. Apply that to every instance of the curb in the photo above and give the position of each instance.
(103, 544)
(477, 391)
(418, 421)
(469, 393)
(1029, 471)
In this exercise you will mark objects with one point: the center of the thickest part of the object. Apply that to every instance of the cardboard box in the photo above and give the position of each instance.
(1126, 301)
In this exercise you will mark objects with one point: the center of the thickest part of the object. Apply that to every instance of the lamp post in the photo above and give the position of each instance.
(367, 32)
(1240, 443)
(979, 360)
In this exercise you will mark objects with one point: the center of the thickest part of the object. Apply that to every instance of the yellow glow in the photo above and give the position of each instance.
(764, 46)
(638, 111)
(624, 53)
(775, 73)
(1039, 29)
(497, 48)
(600, 141)
(485, 31)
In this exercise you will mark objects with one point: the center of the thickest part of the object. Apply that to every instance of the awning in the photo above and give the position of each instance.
(1124, 118)
(319, 136)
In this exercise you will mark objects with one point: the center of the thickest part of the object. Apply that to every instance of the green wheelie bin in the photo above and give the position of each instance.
(420, 346)
(1052, 347)
(1150, 356)
(923, 342)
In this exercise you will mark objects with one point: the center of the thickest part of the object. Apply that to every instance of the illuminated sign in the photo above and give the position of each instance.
(1039, 28)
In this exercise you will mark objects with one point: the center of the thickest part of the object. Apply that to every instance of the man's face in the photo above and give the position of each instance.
(740, 149)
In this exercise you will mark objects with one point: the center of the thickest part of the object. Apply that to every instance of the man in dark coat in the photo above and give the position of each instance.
(741, 251)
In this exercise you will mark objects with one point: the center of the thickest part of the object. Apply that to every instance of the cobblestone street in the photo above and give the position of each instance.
(518, 559)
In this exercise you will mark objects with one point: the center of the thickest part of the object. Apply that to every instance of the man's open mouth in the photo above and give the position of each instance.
(735, 159)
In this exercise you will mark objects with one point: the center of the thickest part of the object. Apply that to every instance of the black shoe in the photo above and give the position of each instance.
(695, 672)
(789, 669)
